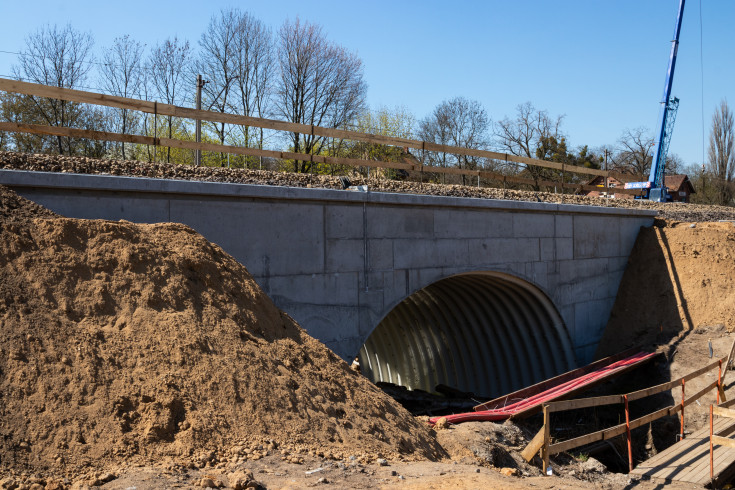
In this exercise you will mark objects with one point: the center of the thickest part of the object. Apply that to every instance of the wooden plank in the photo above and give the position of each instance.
(696, 462)
(72, 95)
(688, 460)
(676, 460)
(724, 470)
(723, 441)
(636, 395)
(584, 403)
(700, 470)
(700, 394)
(694, 470)
(680, 453)
(546, 446)
(727, 363)
(75, 133)
(664, 458)
(700, 473)
(600, 435)
(534, 446)
(671, 454)
(604, 434)
(676, 463)
(723, 412)
(664, 412)
(703, 370)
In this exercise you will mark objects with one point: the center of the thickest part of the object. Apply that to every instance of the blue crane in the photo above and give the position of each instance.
(655, 189)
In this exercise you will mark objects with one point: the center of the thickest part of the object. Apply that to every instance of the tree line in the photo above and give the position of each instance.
(297, 74)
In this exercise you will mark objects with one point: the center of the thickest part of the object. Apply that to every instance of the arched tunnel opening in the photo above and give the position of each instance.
(486, 333)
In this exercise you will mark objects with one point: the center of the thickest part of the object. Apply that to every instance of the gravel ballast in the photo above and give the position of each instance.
(84, 165)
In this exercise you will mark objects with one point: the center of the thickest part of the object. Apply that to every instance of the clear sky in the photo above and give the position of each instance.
(600, 63)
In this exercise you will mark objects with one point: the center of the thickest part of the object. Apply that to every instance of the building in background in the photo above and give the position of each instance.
(679, 187)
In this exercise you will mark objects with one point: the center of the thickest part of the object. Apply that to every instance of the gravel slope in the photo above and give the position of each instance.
(83, 165)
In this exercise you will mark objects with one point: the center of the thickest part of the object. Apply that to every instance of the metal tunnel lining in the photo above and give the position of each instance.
(487, 333)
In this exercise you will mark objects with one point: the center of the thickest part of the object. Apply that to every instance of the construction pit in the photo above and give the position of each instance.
(144, 356)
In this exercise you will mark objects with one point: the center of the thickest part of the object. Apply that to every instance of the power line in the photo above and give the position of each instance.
(96, 89)
(701, 72)
(142, 66)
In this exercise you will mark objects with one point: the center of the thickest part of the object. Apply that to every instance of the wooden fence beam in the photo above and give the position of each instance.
(237, 150)
(81, 96)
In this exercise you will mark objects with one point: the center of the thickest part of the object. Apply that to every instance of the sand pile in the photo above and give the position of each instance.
(680, 278)
(135, 342)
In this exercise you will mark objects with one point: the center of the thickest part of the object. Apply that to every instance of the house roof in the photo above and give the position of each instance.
(675, 183)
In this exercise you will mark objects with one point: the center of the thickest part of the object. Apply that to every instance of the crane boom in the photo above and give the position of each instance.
(656, 189)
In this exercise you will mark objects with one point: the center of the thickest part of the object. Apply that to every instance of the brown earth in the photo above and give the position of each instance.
(123, 342)
(680, 277)
(678, 296)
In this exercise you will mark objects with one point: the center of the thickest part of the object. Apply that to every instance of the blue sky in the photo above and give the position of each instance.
(600, 63)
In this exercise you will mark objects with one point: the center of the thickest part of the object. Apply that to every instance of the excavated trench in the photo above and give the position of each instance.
(486, 333)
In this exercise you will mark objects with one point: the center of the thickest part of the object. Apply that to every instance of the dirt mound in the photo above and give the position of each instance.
(136, 342)
(680, 277)
(15, 208)
(84, 165)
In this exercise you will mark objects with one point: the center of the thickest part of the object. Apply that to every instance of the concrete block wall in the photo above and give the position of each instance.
(339, 261)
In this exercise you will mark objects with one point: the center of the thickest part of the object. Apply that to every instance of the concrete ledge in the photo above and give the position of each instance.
(31, 179)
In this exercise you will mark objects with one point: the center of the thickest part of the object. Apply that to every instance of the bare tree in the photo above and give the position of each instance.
(5, 101)
(635, 153)
(122, 74)
(320, 83)
(236, 59)
(721, 159)
(674, 164)
(457, 122)
(60, 57)
(530, 134)
(254, 73)
(436, 128)
(216, 63)
(167, 64)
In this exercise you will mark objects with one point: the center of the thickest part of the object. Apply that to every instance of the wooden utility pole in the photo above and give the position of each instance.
(200, 85)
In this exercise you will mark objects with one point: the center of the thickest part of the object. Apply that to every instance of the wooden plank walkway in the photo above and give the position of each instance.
(688, 460)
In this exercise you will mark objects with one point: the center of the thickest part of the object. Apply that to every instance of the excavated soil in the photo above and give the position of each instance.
(680, 278)
(677, 296)
(133, 343)
(419, 185)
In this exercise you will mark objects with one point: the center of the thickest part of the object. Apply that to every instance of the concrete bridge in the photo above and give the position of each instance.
(483, 295)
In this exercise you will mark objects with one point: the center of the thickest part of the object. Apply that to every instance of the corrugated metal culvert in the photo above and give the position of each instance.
(488, 333)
